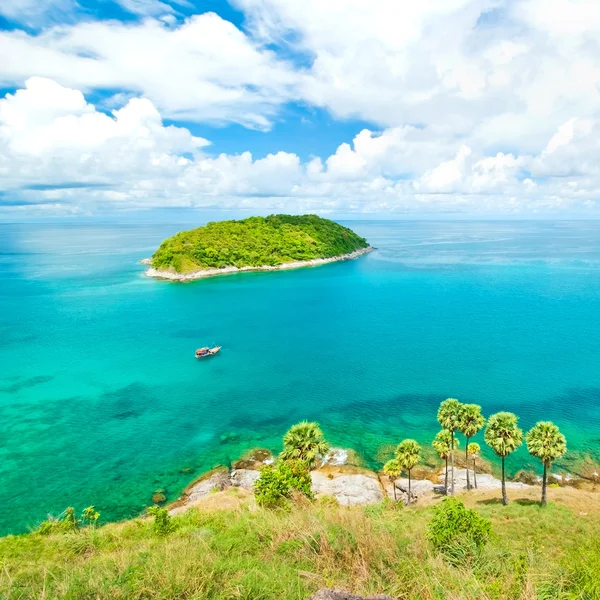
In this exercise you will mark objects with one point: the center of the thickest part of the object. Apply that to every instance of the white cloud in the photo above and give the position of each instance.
(57, 147)
(446, 176)
(33, 13)
(50, 135)
(205, 69)
(487, 104)
(146, 8)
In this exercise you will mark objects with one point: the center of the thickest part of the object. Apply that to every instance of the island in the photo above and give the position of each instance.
(254, 244)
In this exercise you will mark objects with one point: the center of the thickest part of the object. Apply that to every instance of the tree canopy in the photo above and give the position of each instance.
(254, 242)
(305, 442)
(546, 442)
(502, 434)
(471, 420)
(449, 414)
(408, 453)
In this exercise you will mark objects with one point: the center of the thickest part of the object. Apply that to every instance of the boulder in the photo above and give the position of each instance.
(485, 481)
(216, 480)
(418, 487)
(244, 478)
(348, 489)
(339, 595)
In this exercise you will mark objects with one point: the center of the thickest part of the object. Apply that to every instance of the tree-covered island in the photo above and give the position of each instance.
(257, 243)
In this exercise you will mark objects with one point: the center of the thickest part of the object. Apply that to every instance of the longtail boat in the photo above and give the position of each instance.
(206, 351)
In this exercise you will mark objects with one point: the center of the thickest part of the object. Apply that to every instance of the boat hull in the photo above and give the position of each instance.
(208, 352)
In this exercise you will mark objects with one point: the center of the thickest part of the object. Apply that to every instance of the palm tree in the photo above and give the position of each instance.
(470, 423)
(449, 418)
(503, 436)
(546, 442)
(407, 454)
(392, 469)
(441, 444)
(304, 441)
(473, 449)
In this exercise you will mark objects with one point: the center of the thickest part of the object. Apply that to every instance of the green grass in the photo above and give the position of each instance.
(248, 552)
(256, 241)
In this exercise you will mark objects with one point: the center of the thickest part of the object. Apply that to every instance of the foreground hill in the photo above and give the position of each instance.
(228, 547)
(256, 242)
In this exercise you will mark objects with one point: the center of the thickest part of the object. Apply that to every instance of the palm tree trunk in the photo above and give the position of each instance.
(452, 459)
(446, 478)
(504, 497)
(467, 463)
(474, 473)
(544, 481)
(409, 494)
(394, 488)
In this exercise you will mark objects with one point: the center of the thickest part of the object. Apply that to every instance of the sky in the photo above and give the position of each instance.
(364, 108)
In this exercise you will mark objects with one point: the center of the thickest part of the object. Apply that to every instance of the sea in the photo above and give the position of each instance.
(103, 403)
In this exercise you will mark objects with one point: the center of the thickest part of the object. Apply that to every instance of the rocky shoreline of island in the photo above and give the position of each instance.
(298, 264)
(336, 477)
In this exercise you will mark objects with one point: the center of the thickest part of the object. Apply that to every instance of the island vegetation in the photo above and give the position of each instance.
(282, 541)
(256, 242)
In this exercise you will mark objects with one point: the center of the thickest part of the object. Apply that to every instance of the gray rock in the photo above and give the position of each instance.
(219, 480)
(244, 478)
(418, 487)
(339, 595)
(485, 481)
(348, 490)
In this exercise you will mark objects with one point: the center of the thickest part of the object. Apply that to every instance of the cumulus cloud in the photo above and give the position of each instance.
(202, 70)
(58, 147)
(50, 136)
(33, 13)
(477, 105)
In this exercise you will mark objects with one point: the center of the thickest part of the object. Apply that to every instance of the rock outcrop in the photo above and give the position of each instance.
(485, 481)
(244, 478)
(216, 480)
(349, 489)
(349, 485)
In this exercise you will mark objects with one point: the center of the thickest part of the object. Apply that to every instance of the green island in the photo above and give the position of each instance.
(278, 527)
(256, 243)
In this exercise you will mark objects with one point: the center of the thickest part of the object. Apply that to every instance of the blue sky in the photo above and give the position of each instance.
(372, 108)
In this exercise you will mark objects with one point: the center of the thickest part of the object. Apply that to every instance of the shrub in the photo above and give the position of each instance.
(66, 522)
(276, 485)
(457, 532)
(162, 520)
(90, 516)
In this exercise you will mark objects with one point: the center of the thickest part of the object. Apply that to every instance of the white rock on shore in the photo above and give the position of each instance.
(172, 276)
(244, 478)
(348, 490)
(347, 487)
(219, 480)
(484, 481)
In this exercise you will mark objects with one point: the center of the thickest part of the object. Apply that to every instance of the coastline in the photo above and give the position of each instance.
(298, 264)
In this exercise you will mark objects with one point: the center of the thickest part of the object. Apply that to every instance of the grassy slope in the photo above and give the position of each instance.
(229, 548)
(256, 241)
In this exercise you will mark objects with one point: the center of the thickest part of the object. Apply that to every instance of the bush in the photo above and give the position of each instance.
(457, 532)
(276, 485)
(66, 522)
(162, 520)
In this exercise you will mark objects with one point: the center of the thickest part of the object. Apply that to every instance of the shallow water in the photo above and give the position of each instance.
(102, 402)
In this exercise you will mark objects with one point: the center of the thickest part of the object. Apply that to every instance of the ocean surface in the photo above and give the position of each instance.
(102, 401)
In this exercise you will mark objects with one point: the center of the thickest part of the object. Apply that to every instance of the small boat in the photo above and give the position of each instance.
(206, 351)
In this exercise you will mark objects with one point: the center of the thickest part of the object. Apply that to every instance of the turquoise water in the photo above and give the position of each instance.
(102, 402)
